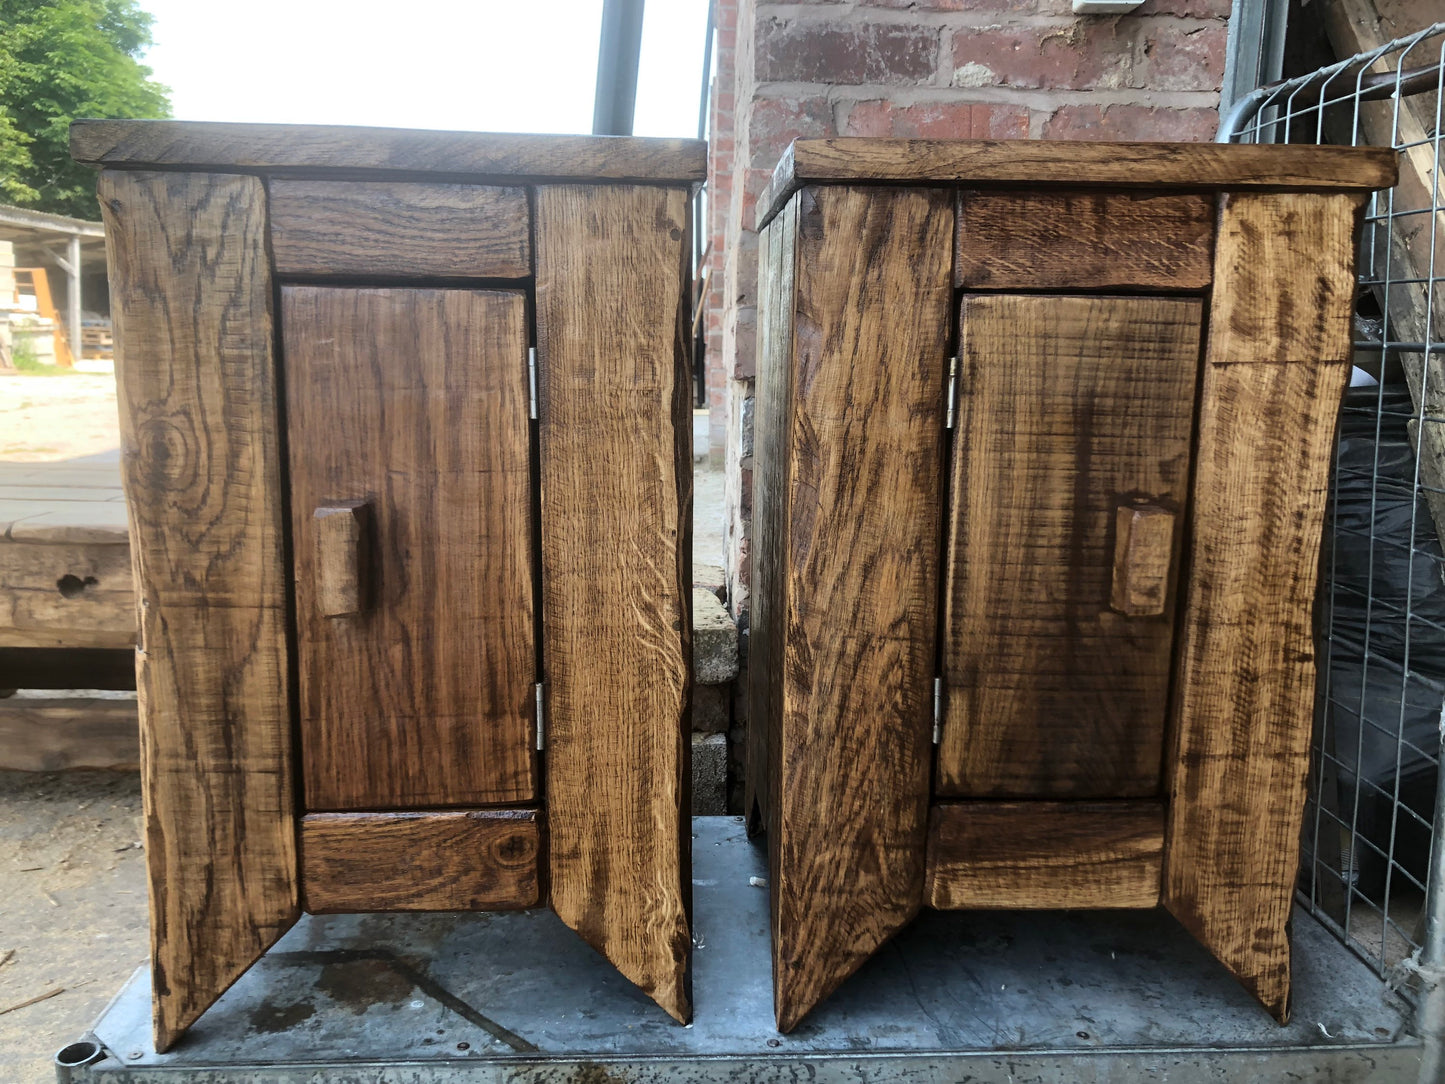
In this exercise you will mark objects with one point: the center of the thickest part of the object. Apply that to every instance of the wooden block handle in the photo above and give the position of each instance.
(1143, 554)
(342, 528)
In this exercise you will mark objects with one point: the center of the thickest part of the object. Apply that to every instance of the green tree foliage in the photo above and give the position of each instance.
(61, 60)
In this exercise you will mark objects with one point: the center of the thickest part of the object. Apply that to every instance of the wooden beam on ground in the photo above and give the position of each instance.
(54, 734)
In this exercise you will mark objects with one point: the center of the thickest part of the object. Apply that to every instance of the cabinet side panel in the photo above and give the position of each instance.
(1245, 670)
(200, 461)
(865, 480)
(615, 430)
(770, 501)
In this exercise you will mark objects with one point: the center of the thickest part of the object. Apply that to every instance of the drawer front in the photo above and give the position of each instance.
(1083, 240)
(399, 229)
(411, 509)
(1071, 468)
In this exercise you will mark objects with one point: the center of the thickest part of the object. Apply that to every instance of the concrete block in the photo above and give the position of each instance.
(711, 578)
(711, 706)
(714, 640)
(709, 775)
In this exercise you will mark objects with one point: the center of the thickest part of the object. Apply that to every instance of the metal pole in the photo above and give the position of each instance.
(621, 42)
(706, 71)
(1254, 52)
(1430, 1021)
(73, 298)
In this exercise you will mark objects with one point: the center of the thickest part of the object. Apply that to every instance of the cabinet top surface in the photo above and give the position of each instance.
(309, 148)
(1031, 163)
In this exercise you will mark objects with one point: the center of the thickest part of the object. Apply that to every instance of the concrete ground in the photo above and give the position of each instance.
(72, 871)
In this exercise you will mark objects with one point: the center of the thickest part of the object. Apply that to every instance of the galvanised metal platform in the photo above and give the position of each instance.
(1037, 997)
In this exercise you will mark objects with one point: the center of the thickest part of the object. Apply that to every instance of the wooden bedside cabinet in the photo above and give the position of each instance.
(406, 437)
(1043, 438)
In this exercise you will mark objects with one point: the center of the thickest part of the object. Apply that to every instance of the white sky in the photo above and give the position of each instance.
(487, 65)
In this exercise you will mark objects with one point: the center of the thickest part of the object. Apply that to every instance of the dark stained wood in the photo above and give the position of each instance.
(55, 734)
(269, 147)
(415, 401)
(862, 443)
(1066, 406)
(768, 605)
(1044, 855)
(399, 229)
(1143, 559)
(342, 533)
(1269, 305)
(1083, 240)
(457, 860)
(68, 668)
(191, 299)
(1032, 163)
(615, 428)
(1245, 670)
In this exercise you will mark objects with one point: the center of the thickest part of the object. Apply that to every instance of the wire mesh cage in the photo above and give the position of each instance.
(1374, 810)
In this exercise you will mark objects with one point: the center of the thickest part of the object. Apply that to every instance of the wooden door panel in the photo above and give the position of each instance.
(1068, 408)
(413, 402)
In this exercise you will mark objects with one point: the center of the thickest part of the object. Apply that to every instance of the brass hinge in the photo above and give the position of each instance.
(541, 719)
(952, 388)
(937, 710)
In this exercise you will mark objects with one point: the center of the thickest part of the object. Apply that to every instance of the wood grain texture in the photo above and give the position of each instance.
(342, 533)
(267, 147)
(191, 301)
(768, 604)
(457, 860)
(1270, 305)
(1066, 406)
(56, 734)
(415, 401)
(1032, 163)
(863, 441)
(1245, 668)
(1083, 240)
(1143, 559)
(1044, 855)
(615, 429)
(399, 230)
(66, 595)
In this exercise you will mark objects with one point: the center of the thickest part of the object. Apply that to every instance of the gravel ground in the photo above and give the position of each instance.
(72, 910)
(43, 418)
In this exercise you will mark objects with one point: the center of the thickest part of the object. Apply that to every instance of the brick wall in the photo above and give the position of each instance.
(948, 69)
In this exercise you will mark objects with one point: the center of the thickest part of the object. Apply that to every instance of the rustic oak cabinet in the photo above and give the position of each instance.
(406, 444)
(1043, 440)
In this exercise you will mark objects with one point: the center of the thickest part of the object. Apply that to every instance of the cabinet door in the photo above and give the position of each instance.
(411, 509)
(1069, 409)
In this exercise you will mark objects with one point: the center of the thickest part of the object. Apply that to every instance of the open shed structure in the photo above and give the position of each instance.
(69, 245)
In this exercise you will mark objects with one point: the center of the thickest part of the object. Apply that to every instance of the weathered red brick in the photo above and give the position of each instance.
(743, 365)
(938, 120)
(1016, 7)
(1131, 122)
(1081, 56)
(776, 122)
(1182, 58)
(844, 53)
(1194, 9)
(1157, 54)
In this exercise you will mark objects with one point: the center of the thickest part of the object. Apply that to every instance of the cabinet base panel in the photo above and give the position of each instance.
(457, 860)
(1044, 855)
